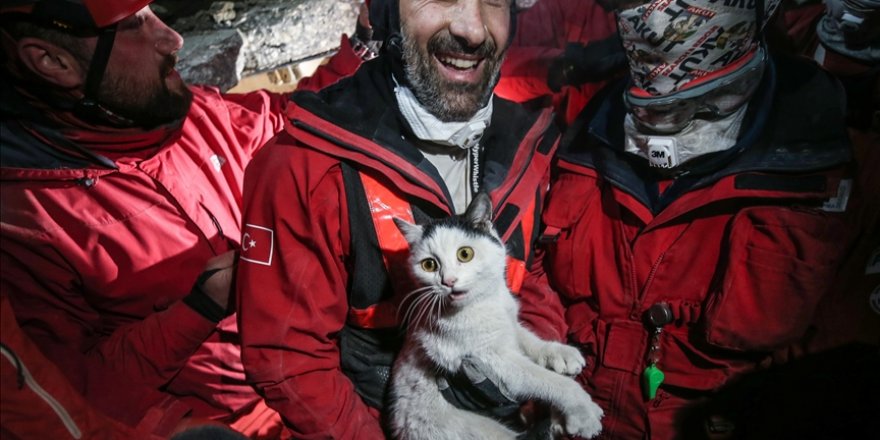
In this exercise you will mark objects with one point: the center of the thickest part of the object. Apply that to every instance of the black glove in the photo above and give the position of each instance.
(469, 389)
(597, 61)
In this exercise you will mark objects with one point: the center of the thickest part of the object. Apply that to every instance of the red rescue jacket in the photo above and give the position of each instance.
(96, 260)
(312, 263)
(741, 249)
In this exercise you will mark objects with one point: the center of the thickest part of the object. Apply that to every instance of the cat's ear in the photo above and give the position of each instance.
(479, 212)
(411, 232)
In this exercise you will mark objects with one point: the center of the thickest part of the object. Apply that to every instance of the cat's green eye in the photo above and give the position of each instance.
(429, 265)
(465, 254)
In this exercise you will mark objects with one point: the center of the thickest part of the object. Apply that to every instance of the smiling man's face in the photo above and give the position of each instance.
(452, 52)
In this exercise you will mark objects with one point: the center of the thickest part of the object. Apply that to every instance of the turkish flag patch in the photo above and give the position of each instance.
(257, 244)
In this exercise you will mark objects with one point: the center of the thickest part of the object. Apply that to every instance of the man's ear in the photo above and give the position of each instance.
(51, 63)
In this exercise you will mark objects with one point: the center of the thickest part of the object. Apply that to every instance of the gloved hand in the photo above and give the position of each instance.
(469, 389)
(212, 294)
(580, 64)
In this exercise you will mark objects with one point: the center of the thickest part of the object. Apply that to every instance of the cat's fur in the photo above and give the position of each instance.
(464, 313)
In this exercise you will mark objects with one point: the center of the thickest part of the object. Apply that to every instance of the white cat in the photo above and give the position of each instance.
(465, 314)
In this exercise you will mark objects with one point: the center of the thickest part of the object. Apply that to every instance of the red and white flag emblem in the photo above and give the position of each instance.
(257, 244)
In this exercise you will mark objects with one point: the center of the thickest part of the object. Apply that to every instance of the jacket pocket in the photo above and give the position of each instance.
(564, 216)
(781, 261)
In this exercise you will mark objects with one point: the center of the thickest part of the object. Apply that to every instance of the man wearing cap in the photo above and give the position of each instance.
(121, 191)
(415, 133)
(698, 215)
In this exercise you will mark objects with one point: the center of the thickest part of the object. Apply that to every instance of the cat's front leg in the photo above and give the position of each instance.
(561, 358)
(577, 413)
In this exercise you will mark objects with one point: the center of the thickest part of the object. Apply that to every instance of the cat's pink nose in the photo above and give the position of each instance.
(449, 281)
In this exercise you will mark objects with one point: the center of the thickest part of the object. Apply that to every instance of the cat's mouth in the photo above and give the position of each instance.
(457, 295)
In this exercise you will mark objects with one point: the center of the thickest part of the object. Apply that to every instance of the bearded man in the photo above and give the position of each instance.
(415, 133)
(121, 185)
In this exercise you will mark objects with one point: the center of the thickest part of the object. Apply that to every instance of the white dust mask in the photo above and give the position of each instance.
(698, 138)
(428, 128)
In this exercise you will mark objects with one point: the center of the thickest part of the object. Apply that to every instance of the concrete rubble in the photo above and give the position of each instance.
(230, 40)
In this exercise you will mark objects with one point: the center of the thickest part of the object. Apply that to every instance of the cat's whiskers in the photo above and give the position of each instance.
(441, 304)
(408, 303)
(415, 291)
(420, 308)
(436, 302)
(425, 307)
(415, 306)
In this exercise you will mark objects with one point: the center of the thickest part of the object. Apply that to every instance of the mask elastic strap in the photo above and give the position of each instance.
(106, 37)
(88, 107)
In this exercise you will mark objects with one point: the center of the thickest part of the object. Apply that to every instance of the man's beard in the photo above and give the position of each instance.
(147, 105)
(447, 100)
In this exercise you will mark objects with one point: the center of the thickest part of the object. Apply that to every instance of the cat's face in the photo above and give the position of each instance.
(458, 264)
(459, 259)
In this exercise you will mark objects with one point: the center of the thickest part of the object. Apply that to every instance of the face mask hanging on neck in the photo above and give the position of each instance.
(429, 128)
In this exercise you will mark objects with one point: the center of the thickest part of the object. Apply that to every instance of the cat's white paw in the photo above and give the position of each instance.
(583, 420)
(561, 358)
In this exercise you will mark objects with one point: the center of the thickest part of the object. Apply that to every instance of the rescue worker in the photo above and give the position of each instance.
(121, 191)
(698, 214)
(415, 133)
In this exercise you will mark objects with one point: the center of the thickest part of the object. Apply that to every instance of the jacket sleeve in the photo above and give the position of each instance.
(138, 357)
(541, 308)
(342, 64)
(252, 119)
(524, 73)
(292, 284)
(541, 36)
(37, 400)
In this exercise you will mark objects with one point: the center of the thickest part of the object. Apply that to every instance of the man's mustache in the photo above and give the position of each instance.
(444, 42)
(168, 64)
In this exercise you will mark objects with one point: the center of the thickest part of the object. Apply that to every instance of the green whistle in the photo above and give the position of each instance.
(652, 377)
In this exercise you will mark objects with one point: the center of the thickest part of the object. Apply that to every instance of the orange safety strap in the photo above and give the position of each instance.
(384, 207)
(516, 273)
(516, 269)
